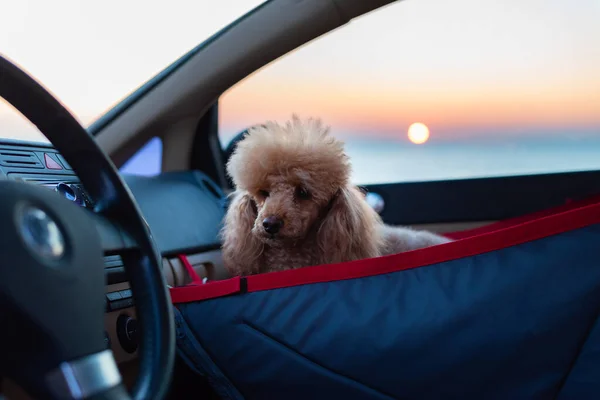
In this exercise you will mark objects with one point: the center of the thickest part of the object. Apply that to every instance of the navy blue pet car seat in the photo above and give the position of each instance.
(507, 311)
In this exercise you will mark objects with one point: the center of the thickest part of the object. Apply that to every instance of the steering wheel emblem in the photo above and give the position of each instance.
(41, 233)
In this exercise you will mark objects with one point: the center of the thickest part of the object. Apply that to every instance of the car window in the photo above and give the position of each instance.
(147, 161)
(434, 90)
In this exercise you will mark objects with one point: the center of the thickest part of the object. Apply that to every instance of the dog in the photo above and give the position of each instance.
(294, 206)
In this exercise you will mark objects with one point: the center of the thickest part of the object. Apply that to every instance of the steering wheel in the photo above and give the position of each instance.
(52, 282)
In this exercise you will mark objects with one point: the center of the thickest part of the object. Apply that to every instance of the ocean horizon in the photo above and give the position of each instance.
(388, 161)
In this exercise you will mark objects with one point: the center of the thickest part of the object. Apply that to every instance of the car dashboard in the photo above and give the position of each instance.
(183, 209)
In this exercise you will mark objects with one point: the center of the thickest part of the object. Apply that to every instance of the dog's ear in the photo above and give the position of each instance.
(349, 230)
(241, 250)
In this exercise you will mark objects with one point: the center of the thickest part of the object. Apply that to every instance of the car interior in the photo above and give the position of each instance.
(179, 210)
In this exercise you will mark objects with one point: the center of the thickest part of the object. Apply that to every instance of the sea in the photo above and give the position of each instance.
(388, 161)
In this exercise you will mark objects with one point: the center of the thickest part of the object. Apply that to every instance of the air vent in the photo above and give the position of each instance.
(43, 180)
(20, 159)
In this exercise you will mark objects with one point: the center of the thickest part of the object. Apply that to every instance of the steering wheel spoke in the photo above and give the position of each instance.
(87, 377)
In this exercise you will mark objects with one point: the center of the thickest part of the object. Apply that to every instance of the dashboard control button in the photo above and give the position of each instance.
(121, 304)
(71, 192)
(51, 163)
(126, 293)
(127, 332)
(66, 191)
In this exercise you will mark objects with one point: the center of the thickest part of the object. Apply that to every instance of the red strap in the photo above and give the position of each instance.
(210, 290)
(190, 270)
(576, 216)
(507, 223)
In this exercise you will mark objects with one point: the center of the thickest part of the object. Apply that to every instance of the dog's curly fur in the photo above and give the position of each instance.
(299, 174)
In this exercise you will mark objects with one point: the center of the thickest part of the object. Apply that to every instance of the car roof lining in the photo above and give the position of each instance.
(189, 86)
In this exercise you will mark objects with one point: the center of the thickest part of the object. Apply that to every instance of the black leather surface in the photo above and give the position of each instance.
(184, 209)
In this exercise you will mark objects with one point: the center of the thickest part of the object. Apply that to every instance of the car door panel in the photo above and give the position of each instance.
(480, 200)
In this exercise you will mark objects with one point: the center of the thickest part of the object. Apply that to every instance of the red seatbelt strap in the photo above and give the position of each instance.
(190, 270)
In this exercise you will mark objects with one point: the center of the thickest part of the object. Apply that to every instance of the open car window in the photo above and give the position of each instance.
(501, 89)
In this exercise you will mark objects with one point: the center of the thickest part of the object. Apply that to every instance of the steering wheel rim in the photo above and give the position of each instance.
(113, 202)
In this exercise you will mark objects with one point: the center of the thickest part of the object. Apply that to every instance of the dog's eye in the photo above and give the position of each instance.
(302, 193)
(263, 193)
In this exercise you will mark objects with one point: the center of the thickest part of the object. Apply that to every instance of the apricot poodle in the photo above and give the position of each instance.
(294, 206)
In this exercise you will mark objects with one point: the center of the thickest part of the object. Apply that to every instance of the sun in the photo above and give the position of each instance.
(418, 133)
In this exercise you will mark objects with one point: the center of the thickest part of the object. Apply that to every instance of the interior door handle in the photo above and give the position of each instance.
(375, 201)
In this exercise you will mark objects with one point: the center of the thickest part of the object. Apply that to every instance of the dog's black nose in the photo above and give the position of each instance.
(272, 224)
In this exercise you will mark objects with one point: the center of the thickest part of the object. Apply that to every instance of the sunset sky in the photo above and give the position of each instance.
(465, 68)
